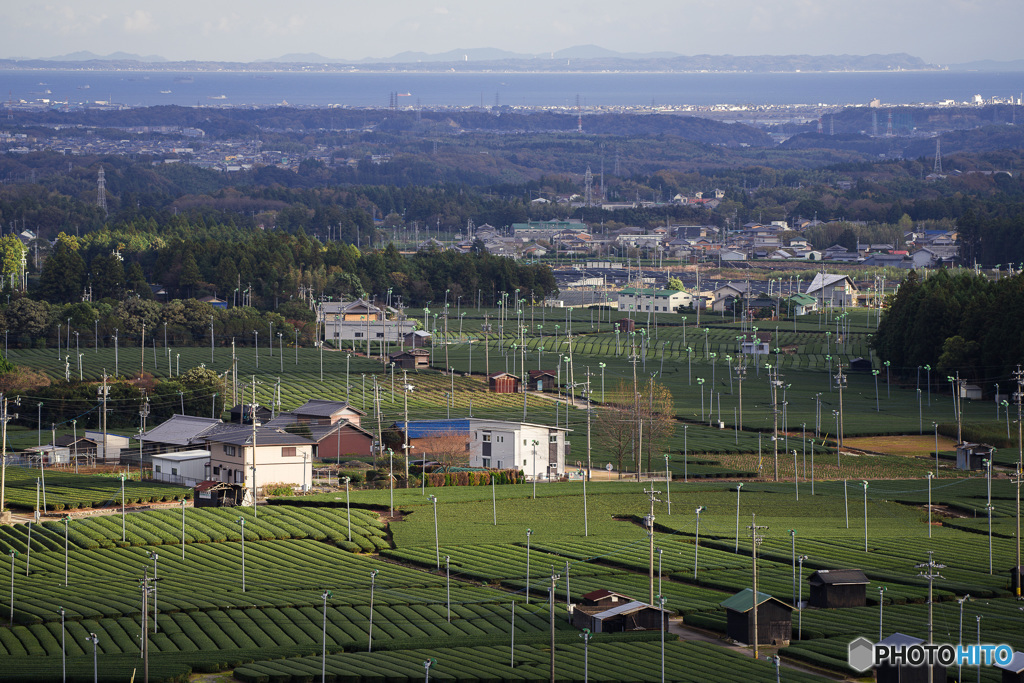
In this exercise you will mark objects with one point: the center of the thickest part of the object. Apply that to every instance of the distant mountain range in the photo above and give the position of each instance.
(580, 58)
(86, 56)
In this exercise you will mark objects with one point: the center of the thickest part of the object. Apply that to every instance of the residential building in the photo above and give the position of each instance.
(539, 451)
(361, 322)
(653, 300)
(276, 457)
(833, 290)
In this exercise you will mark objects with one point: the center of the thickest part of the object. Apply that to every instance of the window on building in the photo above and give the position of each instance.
(552, 438)
(156, 467)
(358, 334)
(288, 451)
(230, 450)
(216, 470)
(380, 335)
(486, 437)
(174, 470)
(487, 462)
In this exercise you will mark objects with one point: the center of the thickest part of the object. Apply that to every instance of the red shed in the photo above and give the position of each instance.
(503, 383)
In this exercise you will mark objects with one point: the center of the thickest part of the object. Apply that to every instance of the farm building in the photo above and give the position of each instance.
(241, 414)
(502, 383)
(627, 616)
(83, 449)
(860, 365)
(542, 380)
(335, 436)
(969, 456)
(838, 588)
(187, 468)
(801, 304)
(417, 339)
(413, 359)
(757, 343)
(217, 494)
(774, 618)
(625, 325)
(1013, 671)
(971, 392)
(603, 598)
(906, 674)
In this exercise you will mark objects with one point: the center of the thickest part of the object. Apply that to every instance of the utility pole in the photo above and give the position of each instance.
(756, 540)
(840, 383)
(1018, 475)
(252, 417)
(653, 496)
(931, 573)
(104, 390)
(551, 605)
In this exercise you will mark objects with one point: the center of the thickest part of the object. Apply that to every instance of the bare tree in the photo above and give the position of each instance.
(616, 426)
(449, 449)
(619, 424)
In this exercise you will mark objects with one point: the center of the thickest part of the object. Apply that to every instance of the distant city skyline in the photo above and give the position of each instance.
(937, 31)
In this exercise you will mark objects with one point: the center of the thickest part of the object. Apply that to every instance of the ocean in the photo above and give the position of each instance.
(135, 88)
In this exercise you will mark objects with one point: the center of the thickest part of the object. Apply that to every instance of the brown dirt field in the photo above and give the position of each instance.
(908, 445)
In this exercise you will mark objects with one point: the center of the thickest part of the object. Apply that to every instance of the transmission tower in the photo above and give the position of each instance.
(874, 124)
(888, 127)
(820, 128)
(101, 191)
(937, 170)
(831, 124)
(588, 184)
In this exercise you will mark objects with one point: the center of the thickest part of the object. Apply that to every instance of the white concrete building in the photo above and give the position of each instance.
(653, 300)
(540, 451)
(187, 468)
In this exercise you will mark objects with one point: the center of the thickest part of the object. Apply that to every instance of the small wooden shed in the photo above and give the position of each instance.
(774, 618)
(860, 365)
(212, 493)
(413, 359)
(631, 615)
(1013, 672)
(838, 588)
(906, 674)
(626, 325)
(969, 456)
(502, 383)
(542, 380)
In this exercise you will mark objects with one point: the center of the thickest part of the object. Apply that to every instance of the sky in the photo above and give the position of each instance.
(938, 31)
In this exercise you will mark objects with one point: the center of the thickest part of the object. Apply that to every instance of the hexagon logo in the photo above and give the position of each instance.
(861, 654)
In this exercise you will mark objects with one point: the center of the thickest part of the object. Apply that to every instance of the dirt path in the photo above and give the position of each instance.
(685, 632)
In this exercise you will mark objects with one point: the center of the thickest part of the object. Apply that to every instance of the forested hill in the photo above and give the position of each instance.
(242, 123)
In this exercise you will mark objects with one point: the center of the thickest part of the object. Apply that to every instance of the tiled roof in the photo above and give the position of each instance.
(181, 430)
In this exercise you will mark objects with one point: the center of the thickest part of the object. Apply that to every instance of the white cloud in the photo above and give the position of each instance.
(139, 21)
